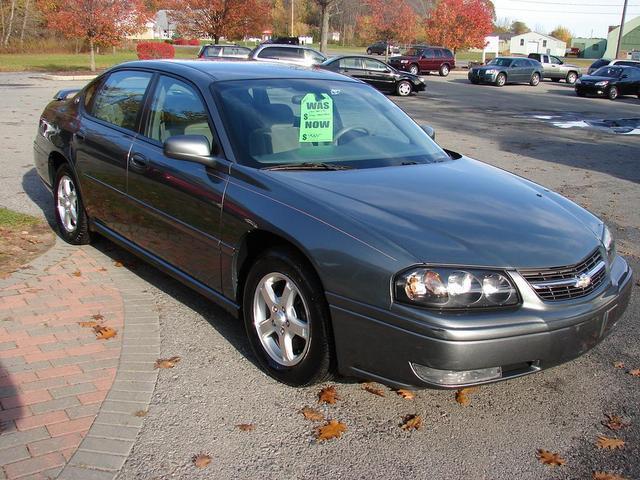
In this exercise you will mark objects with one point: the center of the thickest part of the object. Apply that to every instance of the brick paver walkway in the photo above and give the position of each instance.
(68, 399)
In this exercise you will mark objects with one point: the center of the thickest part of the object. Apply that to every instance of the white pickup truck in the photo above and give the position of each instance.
(556, 69)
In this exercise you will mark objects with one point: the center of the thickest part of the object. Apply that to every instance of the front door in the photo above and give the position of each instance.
(378, 75)
(178, 202)
(107, 128)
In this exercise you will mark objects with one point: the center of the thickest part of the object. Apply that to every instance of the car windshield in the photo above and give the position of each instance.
(608, 72)
(318, 122)
(413, 52)
(501, 62)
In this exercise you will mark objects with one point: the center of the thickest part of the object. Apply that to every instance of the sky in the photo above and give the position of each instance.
(584, 18)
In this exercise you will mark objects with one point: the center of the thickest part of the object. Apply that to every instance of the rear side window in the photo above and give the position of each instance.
(119, 100)
(438, 53)
(599, 63)
(371, 64)
(212, 51)
(429, 53)
(279, 52)
(447, 53)
(628, 64)
(350, 63)
(236, 51)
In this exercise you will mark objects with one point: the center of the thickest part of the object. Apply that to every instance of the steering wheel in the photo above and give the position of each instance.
(361, 130)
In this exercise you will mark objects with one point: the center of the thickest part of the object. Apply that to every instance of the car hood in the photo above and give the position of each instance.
(489, 67)
(455, 212)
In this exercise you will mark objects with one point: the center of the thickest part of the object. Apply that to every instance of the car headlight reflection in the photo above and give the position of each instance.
(455, 288)
(609, 243)
(603, 83)
(491, 71)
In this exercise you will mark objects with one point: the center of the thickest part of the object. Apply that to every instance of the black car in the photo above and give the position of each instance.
(376, 73)
(603, 62)
(379, 48)
(610, 82)
(282, 41)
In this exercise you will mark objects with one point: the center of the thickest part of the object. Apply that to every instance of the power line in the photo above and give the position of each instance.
(563, 11)
(565, 4)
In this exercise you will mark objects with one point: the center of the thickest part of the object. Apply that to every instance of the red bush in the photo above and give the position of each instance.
(154, 50)
(194, 42)
(181, 41)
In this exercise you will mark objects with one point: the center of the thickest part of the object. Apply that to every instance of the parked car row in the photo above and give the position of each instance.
(610, 81)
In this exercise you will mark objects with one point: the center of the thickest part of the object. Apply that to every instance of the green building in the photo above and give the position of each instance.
(630, 39)
(590, 47)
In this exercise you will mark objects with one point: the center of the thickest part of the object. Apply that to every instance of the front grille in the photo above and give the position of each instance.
(554, 284)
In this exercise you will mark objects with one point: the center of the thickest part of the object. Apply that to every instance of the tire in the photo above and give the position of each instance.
(414, 69)
(580, 94)
(535, 80)
(571, 78)
(404, 88)
(444, 70)
(474, 81)
(303, 361)
(501, 80)
(73, 227)
(369, 52)
(612, 94)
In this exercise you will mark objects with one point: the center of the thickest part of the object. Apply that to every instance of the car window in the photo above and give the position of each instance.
(89, 93)
(628, 64)
(429, 53)
(555, 60)
(350, 62)
(236, 51)
(119, 100)
(176, 109)
(280, 52)
(608, 72)
(437, 53)
(518, 63)
(371, 64)
(447, 53)
(599, 63)
(314, 56)
(213, 51)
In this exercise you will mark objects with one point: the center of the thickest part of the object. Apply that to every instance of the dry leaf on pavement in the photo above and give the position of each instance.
(98, 317)
(369, 387)
(246, 427)
(328, 395)
(77, 273)
(311, 414)
(166, 362)
(104, 333)
(331, 429)
(618, 365)
(609, 443)
(88, 324)
(607, 476)
(635, 372)
(411, 422)
(141, 413)
(118, 264)
(201, 460)
(462, 395)
(614, 422)
(407, 394)
(549, 458)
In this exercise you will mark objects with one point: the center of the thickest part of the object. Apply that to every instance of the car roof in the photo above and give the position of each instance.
(283, 45)
(234, 70)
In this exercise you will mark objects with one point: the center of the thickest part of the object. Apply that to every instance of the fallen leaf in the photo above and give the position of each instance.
(462, 395)
(408, 394)
(549, 458)
(328, 395)
(607, 476)
(97, 317)
(369, 387)
(614, 422)
(167, 362)
(609, 443)
(246, 427)
(77, 273)
(331, 429)
(102, 269)
(88, 324)
(618, 365)
(312, 414)
(201, 460)
(411, 422)
(118, 264)
(104, 333)
(635, 372)
(141, 413)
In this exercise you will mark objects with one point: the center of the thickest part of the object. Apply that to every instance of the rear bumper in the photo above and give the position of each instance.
(382, 346)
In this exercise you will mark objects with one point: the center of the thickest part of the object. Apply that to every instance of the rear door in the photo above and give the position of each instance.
(107, 128)
(519, 70)
(178, 203)
(629, 84)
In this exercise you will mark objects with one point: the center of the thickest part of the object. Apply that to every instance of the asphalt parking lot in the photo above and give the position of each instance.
(537, 132)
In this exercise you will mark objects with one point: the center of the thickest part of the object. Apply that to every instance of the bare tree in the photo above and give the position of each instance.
(327, 8)
(12, 13)
(25, 19)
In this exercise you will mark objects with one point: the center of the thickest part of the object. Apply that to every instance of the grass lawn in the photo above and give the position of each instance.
(70, 62)
(11, 219)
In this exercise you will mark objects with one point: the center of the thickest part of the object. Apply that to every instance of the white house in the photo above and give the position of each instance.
(533, 42)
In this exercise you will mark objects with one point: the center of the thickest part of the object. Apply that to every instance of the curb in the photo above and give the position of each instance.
(47, 76)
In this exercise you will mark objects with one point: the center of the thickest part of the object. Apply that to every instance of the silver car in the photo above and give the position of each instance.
(292, 54)
(556, 69)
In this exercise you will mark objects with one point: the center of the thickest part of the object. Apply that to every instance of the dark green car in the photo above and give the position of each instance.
(503, 70)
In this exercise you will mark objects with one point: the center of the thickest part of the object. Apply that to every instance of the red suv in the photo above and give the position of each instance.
(425, 59)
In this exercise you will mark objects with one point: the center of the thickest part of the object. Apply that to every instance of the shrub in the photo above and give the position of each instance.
(169, 41)
(180, 41)
(194, 42)
(154, 50)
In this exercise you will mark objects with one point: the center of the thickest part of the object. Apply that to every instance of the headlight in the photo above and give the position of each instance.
(491, 71)
(609, 243)
(456, 288)
(603, 83)
(404, 61)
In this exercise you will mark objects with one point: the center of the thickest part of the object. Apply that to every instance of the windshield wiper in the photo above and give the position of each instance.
(308, 166)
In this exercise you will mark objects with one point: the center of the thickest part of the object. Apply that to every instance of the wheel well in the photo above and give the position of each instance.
(445, 64)
(55, 160)
(571, 71)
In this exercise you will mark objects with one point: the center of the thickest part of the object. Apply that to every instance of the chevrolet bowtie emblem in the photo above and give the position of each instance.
(583, 281)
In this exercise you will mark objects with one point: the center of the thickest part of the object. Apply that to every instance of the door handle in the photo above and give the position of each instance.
(138, 162)
(80, 136)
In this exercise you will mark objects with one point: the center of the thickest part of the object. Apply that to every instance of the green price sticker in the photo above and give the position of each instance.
(316, 118)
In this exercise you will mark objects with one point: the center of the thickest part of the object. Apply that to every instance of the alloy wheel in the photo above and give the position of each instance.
(404, 89)
(571, 78)
(67, 204)
(413, 69)
(281, 319)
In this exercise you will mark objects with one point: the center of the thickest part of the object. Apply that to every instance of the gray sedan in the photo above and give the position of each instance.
(503, 70)
(313, 208)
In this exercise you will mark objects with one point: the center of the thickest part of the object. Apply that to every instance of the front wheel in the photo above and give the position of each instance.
(571, 78)
(444, 70)
(414, 70)
(71, 217)
(501, 80)
(404, 88)
(535, 80)
(287, 318)
(369, 52)
(613, 93)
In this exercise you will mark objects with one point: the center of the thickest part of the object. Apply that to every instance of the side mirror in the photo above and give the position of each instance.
(429, 131)
(192, 148)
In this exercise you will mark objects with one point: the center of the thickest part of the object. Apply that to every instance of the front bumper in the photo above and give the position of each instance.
(482, 77)
(386, 345)
(592, 90)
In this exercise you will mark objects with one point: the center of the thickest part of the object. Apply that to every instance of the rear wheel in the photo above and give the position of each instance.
(70, 214)
(613, 93)
(501, 80)
(404, 88)
(287, 319)
(369, 52)
(571, 78)
(535, 80)
(414, 69)
(444, 70)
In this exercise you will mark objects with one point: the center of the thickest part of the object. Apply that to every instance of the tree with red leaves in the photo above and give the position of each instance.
(459, 24)
(389, 21)
(220, 18)
(105, 22)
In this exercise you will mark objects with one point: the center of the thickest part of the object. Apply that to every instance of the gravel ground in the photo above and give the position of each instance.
(199, 403)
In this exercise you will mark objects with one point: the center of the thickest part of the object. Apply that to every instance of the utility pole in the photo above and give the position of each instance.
(624, 14)
(292, 18)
